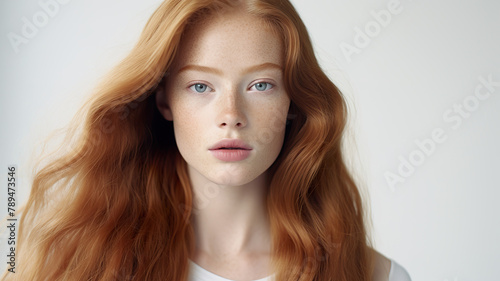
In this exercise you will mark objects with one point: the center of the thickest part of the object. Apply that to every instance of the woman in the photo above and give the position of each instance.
(212, 152)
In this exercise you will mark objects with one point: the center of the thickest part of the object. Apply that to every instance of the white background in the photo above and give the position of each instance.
(441, 223)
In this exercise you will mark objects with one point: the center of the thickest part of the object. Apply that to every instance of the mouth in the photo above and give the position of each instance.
(230, 148)
(231, 154)
(231, 144)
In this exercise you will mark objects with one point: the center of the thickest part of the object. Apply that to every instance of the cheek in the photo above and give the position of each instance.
(272, 123)
(186, 124)
(276, 114)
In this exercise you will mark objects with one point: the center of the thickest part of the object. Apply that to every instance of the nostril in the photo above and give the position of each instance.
(237, 124)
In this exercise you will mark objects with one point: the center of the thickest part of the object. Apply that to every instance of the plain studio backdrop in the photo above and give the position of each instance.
(422, 79)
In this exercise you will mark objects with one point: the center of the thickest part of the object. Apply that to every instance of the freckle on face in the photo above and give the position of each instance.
(231, 44)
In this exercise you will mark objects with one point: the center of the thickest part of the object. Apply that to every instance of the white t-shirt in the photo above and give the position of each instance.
(198, 273)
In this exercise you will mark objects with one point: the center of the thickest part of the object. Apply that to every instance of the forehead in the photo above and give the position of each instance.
(233, 38)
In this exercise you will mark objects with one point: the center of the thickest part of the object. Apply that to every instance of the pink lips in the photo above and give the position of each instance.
(231, 150)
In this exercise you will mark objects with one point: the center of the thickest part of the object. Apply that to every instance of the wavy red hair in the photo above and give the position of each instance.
(116, 206)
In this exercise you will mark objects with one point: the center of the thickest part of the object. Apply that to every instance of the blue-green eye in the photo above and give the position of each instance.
(200, 88)
(262, 86)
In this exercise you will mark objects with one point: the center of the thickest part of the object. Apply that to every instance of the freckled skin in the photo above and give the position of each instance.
(230, 222)
(231, 107)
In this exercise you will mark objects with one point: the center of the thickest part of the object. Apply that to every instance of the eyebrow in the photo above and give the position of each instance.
(216, 71)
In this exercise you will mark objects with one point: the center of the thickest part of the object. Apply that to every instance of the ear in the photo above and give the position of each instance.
(162, 103)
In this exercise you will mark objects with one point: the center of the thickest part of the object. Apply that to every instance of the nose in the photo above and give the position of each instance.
(231, 107)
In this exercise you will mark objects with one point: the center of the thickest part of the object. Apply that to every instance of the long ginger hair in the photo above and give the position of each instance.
(117, 205)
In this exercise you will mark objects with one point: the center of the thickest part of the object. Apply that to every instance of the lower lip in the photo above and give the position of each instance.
(230, 155)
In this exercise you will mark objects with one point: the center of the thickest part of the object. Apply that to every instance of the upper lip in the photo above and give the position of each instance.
(230, 143)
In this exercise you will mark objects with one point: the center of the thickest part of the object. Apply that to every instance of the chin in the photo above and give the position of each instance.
(233, 181)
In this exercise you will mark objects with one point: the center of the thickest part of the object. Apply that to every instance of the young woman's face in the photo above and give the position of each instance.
(226, 83)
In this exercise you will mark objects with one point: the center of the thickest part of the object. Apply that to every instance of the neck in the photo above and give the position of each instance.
(230, 221)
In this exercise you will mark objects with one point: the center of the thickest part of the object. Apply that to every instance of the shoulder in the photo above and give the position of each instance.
(382, 267)
(387, 269)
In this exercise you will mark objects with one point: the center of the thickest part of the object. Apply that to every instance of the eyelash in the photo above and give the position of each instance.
(254, 84)
(263, 82)
(193, 85)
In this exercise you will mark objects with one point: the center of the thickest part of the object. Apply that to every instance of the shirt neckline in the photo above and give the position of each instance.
(202, 274)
